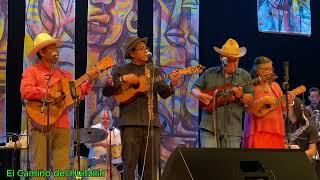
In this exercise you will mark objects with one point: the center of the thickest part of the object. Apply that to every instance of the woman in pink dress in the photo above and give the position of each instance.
(267, 131)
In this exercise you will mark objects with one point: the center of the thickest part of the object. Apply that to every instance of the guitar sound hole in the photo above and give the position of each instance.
(136, 86)
(268, 106)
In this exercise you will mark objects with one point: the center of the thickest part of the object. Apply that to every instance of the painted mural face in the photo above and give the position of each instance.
(3, 29)
(176, 41)
(3, 58)
(108, 18)
(57, 18)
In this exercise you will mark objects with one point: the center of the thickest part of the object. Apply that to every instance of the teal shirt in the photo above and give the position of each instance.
(232, 123)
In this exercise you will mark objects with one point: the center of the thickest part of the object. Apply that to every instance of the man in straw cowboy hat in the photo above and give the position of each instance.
(33, 87)
(223, 127)
(134, 116)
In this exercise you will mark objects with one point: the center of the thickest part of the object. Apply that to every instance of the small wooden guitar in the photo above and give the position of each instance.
(266, 104)
(38, 114)
(221, 95)
(129, 91)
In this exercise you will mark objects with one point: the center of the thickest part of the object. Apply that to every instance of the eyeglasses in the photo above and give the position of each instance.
(265, 69)
(141, 48)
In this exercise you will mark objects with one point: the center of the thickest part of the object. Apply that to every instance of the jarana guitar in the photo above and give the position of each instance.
(38, 114)
(221, 95)
(129, 91)
(266, 104)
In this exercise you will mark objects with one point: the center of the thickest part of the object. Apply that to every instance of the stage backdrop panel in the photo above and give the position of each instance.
(110, 23)
(284, 16)
(176, 45)
(3, 59)
(56, 18)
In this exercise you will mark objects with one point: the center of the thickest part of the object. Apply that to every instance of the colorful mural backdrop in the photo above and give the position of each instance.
(3, 59)
(176, 45)
(57, 18)
(284, 16)
(110, 23)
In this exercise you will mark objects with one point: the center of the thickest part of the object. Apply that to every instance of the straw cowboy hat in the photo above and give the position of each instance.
(132, 43)
(231, 49)
(41, 41)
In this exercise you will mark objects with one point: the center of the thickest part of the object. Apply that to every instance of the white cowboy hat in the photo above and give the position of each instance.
(41, 41)
(231, 49)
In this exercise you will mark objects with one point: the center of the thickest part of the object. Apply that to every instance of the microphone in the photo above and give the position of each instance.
(72, 89)
(149, 54)
(55, 57)
(224, 61)
(285, 66)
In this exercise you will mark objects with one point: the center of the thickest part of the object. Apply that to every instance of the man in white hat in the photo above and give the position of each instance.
(33, 87)
(223, 127)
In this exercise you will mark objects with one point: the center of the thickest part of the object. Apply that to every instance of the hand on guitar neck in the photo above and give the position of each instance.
(93, 76)
(175, 77)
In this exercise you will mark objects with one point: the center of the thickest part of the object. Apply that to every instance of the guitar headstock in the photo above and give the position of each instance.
(192, 70)
(299, 90)
(105, 63)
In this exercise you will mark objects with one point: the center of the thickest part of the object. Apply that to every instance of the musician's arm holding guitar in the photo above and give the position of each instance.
(116, 79)
(165, 90)
(87, 85)
(199, 85)
(245, 94)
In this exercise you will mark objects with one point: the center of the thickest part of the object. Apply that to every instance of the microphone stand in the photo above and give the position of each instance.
(215, 115)
(285, 86)
(110, 129)
(223, 63)
(75, 98)
(27, 134)
(46, 104)
(150, 95)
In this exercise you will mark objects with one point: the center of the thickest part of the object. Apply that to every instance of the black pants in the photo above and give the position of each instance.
(134, 140)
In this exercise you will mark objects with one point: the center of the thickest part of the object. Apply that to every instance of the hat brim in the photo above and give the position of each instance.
(42, 45)
(132, 45)
(243, 51)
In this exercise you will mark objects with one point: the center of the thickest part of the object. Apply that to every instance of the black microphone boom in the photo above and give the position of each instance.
(72, 90)
(285, 66)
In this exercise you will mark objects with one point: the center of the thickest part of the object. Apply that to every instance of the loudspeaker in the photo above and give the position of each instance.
(238, 164)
